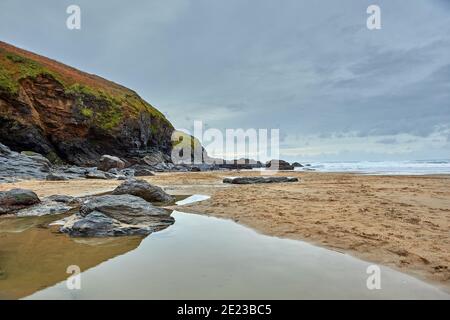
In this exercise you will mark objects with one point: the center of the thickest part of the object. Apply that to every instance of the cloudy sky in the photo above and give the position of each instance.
(336, 90)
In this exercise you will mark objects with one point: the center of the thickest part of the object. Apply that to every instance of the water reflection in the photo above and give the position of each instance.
(33, 256)
(208, 258)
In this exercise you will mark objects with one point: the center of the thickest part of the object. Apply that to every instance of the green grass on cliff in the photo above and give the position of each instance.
(14, 68)
(110, 103)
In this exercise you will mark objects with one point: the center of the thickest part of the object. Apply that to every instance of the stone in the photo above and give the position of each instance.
(297, 165)
(16, 199)
(144, 190)
(258, 179)
(44, 208)
(108, 162)
(14, 165)
(117, 215)
(142, 171)
(60, 198)
(56, 177)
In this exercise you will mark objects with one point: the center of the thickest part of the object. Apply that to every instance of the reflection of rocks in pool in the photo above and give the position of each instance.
(38, 257)
(117, 215)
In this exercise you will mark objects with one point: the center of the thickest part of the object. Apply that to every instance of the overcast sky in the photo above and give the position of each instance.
(336, 90)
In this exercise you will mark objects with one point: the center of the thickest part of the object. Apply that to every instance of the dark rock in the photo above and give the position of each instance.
(16, 199)
(142, 171)
(129, 173)
(258, 179)
(107, 162)
(116, 215)
(278, 165)
(155, 159)
(297, 165)
(144, 190)
(240, 164)
(56, 177)
(195, 169)
(60, 198)
(14, 165)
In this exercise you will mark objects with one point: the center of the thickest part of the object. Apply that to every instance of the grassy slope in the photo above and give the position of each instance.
(17, 64)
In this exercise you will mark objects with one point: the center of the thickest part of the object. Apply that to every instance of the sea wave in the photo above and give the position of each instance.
(414, 167)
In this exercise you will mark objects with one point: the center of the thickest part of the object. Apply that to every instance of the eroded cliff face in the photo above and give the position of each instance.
(66, 114)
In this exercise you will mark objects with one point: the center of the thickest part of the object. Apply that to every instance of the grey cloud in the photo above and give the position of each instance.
(308, 68)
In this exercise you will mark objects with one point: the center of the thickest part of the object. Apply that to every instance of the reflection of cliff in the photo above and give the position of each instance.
(34, 258)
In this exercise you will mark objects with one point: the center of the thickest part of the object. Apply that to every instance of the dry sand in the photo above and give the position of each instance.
(399, 221)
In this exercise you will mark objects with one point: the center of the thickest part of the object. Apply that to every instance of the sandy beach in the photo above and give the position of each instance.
(398, 221)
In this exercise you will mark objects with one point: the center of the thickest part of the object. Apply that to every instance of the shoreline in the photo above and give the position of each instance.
(398, 221)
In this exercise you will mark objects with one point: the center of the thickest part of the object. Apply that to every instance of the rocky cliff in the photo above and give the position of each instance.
(69, 115)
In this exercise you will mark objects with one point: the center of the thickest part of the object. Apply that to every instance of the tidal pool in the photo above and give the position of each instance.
(202, 257)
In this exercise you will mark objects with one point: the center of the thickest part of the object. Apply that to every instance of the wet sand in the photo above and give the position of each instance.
(398, 221)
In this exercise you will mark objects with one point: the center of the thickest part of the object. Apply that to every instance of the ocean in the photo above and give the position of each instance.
(413, 167)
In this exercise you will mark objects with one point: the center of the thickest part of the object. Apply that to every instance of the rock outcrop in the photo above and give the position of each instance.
(65, 114)
(116, 215)
(258, 179)
(144, 190)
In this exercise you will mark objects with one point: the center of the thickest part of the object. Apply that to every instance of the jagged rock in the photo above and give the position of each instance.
(107, 162)
(278, 165)
(16, 199)
(14, 165)
(116, 215)
(297, 165)
(258, 179)
(144, 190)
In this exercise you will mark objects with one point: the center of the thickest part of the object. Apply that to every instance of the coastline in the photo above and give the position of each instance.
(398, 221)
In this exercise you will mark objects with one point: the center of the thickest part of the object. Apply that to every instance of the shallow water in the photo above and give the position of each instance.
(203, 257)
